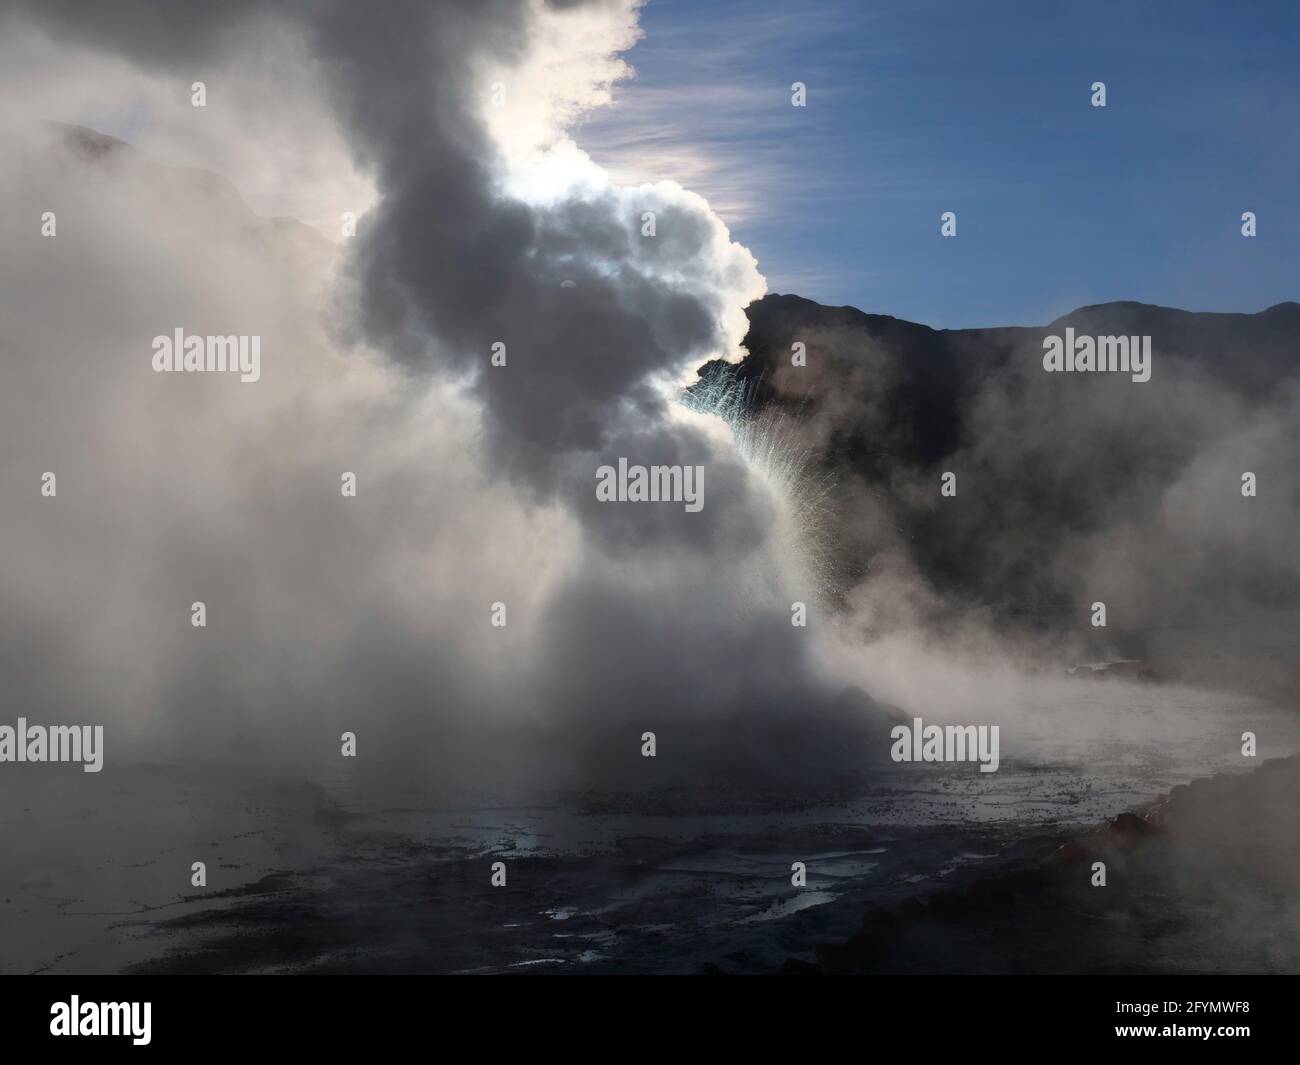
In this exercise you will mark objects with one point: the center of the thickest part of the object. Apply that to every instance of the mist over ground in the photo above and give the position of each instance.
(445, 130)
(1069, 488)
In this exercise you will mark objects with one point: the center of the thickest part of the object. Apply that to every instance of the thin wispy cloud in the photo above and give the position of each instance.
(714, 112)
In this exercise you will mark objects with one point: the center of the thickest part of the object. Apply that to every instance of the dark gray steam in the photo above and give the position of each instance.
(476, 482)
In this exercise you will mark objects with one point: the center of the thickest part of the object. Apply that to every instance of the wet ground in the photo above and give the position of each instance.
(322, 877)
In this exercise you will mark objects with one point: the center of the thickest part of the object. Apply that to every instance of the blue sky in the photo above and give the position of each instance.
(982, 108)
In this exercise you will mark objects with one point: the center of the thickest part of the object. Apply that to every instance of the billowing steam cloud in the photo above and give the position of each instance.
(484, 225)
